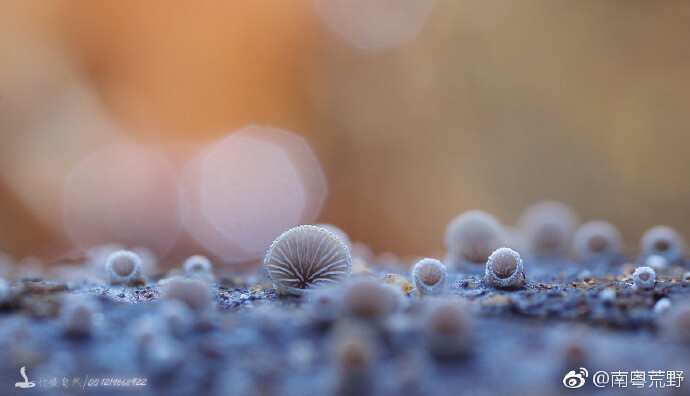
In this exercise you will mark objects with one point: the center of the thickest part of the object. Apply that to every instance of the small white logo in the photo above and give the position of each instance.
(575, 380)
(26, 384)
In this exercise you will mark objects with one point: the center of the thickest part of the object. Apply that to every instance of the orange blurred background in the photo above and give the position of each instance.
(493, 105)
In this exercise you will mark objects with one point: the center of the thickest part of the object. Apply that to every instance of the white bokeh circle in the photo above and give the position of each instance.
(123, 194)
(246, 189)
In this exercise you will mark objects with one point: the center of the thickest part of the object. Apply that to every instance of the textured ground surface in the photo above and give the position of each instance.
(259, 341)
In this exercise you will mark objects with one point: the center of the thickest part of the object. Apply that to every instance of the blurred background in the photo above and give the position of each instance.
(447, 106)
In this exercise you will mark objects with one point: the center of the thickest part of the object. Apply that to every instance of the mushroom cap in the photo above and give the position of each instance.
(305, 257)
(663, 241)
(504, 268)
(123, 265)
(596, 239)
(429, 276)
(473, 235)
(644, 277)
(549, 227)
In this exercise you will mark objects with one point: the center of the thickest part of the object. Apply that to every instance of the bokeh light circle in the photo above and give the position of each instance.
(252, 185)
(123, 194)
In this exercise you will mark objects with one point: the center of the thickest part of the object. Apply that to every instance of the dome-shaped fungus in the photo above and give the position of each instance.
(472, 236)
(663, 241)
(123, 266)
(504, 268)
(596, 240)
(448, 329)
(306, 257)
(193, 292)
(325, 305)
(429, 276)
(644, 278)
(548, 227)
(198, 267)
(355, 353)
(370, 300)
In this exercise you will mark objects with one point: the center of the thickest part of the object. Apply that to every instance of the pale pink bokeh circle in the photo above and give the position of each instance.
(245, 190)
(123, 194)
(196, 223)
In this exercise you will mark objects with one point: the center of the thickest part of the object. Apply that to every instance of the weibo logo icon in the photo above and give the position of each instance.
(26, 384)
(575, 380)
